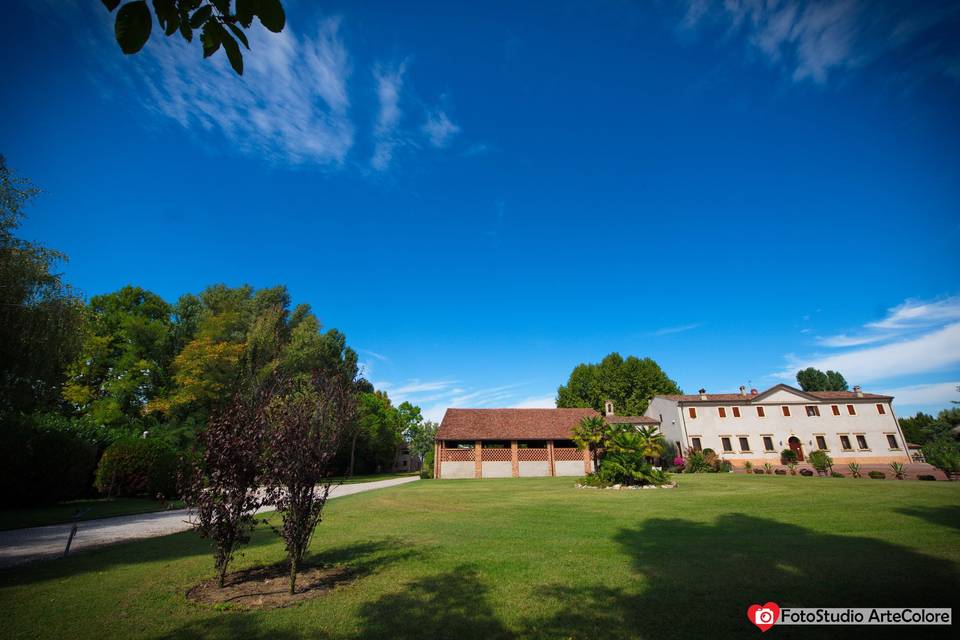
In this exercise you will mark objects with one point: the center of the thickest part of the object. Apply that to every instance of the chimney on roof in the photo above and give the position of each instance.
(857, 390)
(703, 394)
(608, 407)
(743, 390)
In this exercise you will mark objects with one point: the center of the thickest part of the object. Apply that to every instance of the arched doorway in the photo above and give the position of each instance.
(796, 446)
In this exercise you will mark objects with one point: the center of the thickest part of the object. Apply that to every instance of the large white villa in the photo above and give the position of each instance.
(852, 426)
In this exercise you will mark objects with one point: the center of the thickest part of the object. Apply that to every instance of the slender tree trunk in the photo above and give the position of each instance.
(353, 449)
(293, 576)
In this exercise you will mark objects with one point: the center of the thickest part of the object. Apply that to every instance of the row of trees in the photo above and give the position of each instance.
(129, 363)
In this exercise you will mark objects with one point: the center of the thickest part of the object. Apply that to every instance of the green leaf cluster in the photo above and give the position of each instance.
(221, 23)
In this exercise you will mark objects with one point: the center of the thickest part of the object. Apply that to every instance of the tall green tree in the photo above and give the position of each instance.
(40, 315)
(630, 383)
(125, 358)
(811, 379)
(421, 437)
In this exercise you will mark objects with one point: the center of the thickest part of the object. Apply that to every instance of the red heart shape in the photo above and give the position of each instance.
(764, 616)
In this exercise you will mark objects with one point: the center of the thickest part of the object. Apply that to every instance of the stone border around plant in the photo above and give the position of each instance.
(624, 487)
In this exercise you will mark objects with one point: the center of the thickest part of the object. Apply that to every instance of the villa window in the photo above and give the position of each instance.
(693, 412)
(892, 441)
(722, 412)
(744, 444)
(695, 443)
(845, 443)
(786, 411)
(835, 409)
(727, 446)
(767, 443)
(862, 441)
(813, 411)
(760, 412)
(821, 443)
(850, 410)
(880, 409)
(736, 412)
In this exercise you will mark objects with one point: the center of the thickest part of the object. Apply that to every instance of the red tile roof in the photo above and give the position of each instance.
(520, 424)
(734, 398)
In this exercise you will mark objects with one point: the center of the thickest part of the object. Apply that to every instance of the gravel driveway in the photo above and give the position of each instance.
(23, 545)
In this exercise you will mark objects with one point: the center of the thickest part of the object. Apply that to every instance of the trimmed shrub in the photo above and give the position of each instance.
(759, 472)
(837, 474)
(806, 472)
(138, 467)
(781, 472)
(927, 478)
(944, 454)
(821, 461)
(41, 463)
(877, 475)
(426, 469)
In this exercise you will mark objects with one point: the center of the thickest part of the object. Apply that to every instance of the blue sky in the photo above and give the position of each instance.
(482, 196)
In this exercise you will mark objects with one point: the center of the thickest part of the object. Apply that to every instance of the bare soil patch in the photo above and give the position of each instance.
(269, 587)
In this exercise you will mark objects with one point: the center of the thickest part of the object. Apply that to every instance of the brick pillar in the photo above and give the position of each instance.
(437, 454)
(515, 462)
(550, 457)
(477, 459)
(587, 462)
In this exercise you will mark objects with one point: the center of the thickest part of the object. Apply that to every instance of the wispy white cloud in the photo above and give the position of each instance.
(389, 82)
(665, 331)
(536, 402)
(918, 313)
(294, 103)
(375, 355)
(843, 340)
(812, 40)
(932, 351)
(291, 104)
(925, 395)
(439, 129)
(910, 316)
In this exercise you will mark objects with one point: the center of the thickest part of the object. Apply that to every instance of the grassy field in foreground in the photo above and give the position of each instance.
(64, 511)
(538, 558)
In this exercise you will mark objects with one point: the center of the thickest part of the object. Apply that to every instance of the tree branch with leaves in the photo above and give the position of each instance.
(221, 23)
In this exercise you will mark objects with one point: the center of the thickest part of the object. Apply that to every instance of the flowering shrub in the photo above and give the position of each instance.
(678, 461)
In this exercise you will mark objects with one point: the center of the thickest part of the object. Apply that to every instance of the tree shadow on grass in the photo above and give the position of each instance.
(944, 516)
(364, 558)
(447, 605)
(697, 579)
(168, 548)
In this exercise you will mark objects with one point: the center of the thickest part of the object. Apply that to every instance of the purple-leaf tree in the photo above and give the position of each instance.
(223, 487)
(308, 422)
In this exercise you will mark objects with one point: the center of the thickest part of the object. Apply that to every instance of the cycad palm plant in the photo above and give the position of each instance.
(652, 443)
(590, 434)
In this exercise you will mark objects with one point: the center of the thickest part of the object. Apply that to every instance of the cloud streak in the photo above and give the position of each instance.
(389, 82)
(666, 331)
(817, 39)
(293, 105)
(933, 351)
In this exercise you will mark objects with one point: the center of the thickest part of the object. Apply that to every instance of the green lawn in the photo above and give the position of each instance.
(538, 558)
(92, 509)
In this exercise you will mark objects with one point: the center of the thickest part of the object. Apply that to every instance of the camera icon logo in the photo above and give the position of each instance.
(764, 616)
